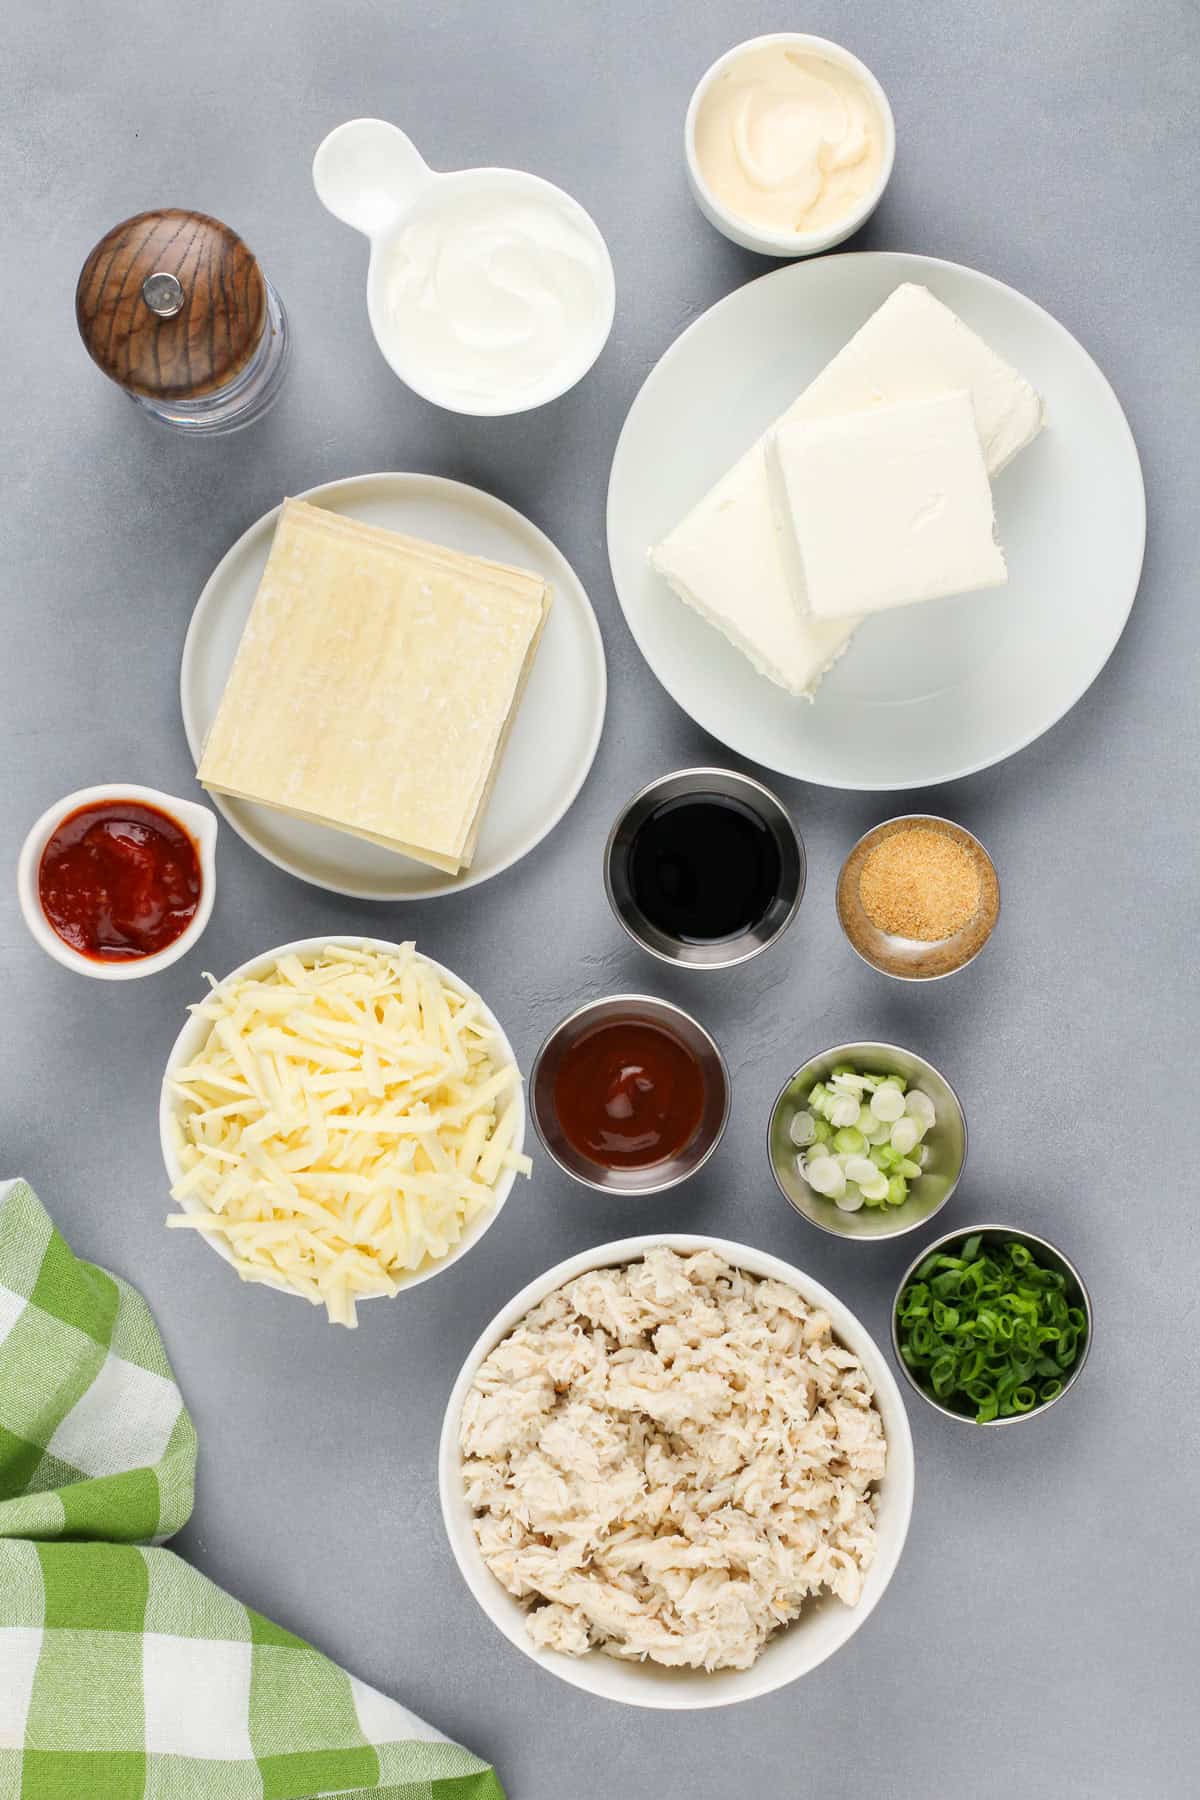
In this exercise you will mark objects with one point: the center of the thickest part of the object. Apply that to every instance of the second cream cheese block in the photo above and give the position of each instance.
(914, 347)
(726, 560)
(885, 507)
(375, 684)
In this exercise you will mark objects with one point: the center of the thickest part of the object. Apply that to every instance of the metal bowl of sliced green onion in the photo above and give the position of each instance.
(867, 1140)
(992, 1325)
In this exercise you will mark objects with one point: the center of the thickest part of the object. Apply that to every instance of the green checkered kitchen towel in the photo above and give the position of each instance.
(124, 1674)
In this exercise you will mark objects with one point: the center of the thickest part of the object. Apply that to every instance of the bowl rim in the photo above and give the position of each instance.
(199, 823)
(877, 1237)
(1024, 1236)
(735, 225)
(768, 801)
(654, 1002)
(918, 818)
(732, 1686)
(192, 1029)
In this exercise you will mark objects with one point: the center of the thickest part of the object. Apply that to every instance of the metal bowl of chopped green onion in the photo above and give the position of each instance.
(992, 1325)
(867, 1140)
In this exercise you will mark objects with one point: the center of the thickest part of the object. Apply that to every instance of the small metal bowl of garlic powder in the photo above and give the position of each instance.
(867, 1140)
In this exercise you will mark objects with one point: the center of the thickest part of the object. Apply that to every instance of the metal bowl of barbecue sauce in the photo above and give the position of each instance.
(705, 868)
(630, 1095)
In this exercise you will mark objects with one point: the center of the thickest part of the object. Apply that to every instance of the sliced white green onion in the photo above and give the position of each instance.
(887, 1103)
(905, 1135)
(858, 1137)
(803, 1128)
(919, 1106)
(825, 1174)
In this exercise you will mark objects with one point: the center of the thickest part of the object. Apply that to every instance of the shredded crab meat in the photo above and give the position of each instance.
(668, 1460)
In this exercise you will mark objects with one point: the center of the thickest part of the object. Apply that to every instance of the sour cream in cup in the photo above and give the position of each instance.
(490, 291)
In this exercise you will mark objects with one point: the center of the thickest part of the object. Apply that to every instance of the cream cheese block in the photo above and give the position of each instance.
(726, 562)
(375, 684)
(885, 507)
(726, 558)
(913, 347)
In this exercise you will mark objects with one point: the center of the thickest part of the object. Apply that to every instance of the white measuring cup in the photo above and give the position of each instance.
(371, 176)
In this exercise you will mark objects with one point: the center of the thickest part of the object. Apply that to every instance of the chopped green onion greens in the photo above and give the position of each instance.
(989, 1329)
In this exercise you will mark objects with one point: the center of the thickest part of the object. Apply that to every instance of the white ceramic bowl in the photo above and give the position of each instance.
(370, 174)
(743, 231)
(821, 1629)
(190, 1040)
(405, 362)
(197, 820)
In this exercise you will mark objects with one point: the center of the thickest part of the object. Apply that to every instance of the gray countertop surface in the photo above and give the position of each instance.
(1040, 1636)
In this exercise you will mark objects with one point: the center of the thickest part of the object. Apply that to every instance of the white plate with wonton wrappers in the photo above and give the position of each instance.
(408, 702)
(803, 593)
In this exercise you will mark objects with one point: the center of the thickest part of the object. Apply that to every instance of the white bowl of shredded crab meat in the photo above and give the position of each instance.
(676, 1472)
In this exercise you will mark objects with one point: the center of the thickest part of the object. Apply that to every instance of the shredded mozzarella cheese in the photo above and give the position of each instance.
(344, 1122)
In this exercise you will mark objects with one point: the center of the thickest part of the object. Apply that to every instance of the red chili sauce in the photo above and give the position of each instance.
(628, 1094)
(119, 880)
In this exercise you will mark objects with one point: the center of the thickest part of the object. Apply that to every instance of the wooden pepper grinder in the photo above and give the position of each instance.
(175, 309)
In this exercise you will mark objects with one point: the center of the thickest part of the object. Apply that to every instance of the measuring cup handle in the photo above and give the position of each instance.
(367, 172)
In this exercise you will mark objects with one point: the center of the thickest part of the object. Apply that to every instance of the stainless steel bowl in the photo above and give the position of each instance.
(1048, 1254)
(947, 1140)
(638, 1009)
(726, 784)
(908, 959)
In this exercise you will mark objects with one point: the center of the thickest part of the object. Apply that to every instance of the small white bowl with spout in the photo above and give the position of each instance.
(199, 824)
(489, 291)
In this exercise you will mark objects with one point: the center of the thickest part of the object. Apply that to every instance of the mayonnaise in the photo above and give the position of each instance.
(497, 292)
(789, 140)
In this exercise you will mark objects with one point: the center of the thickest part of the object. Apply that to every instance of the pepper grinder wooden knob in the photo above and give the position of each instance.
(174, 308)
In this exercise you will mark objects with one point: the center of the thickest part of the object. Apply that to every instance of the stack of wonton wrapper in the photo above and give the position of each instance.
(375, 685)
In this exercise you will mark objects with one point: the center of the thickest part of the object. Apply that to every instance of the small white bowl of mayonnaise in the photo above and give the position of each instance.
(790, 143)
(489, 291)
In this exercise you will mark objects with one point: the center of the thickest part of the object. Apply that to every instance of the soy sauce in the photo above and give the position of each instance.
(703, 868)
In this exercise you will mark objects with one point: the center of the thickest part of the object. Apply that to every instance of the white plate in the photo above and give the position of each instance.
(554, 736)
(931, 692)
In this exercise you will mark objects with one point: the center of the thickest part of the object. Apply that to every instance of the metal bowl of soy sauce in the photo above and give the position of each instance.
(705, 868)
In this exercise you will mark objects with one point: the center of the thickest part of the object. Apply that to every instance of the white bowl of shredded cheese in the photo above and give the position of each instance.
(341, 1117)
(600, 1502)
